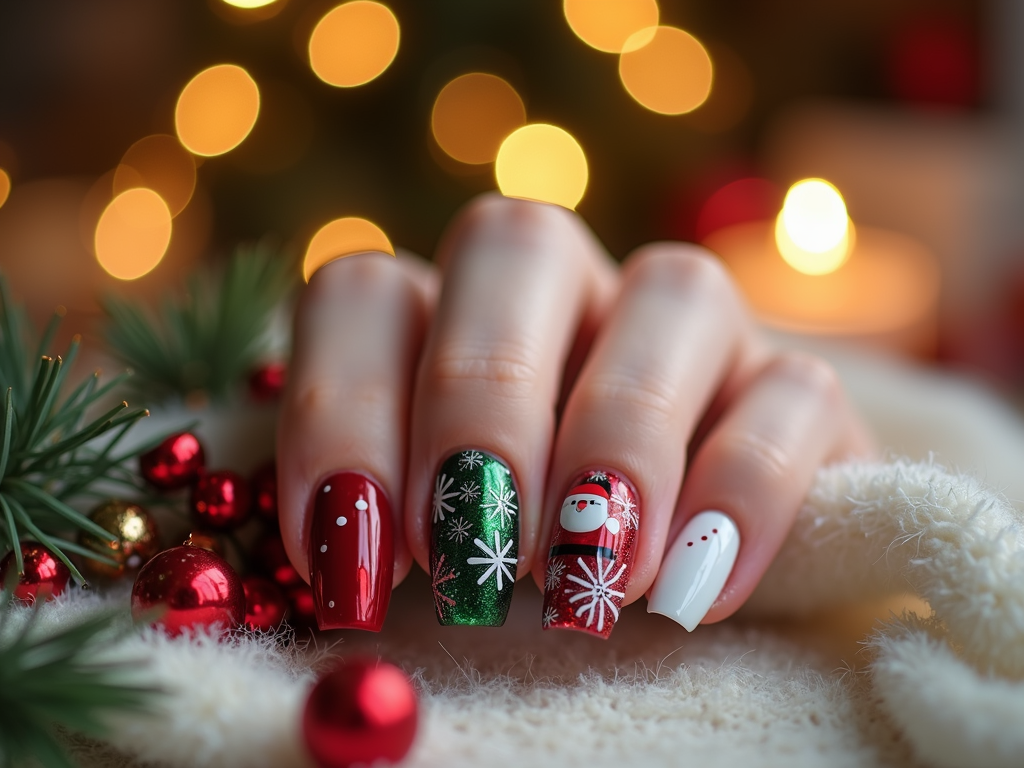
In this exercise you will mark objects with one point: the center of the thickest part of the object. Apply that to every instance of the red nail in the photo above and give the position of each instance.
(351, 553)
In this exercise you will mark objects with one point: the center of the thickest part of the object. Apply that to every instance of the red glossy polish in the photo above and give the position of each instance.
(351, 553)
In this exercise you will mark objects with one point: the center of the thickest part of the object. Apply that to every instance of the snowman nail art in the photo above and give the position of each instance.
(591, 554)
(695, 569)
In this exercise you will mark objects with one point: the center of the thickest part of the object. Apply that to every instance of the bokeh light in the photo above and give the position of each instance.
(5, 186)
(610, 25)
(671, 74)
(160, 163)
(813, 231)
(354, 43)
(743, 200)
(343, 237)
(133, 233)
(250, 3)
(473, 114)
(542, 162)
(216, 110)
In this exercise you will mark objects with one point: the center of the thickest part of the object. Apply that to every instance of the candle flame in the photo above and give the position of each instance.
(813, 231)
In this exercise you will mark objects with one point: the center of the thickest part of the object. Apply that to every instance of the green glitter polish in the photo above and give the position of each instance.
(474, 541)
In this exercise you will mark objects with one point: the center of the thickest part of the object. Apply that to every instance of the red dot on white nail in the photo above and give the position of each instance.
(341, 520)
(714, 530)
(361, 505)
(689, 543)
(703, 538)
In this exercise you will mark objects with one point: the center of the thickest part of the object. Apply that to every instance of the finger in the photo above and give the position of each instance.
(745, 485)
(677, 332)
(518, 279)
(342, 433)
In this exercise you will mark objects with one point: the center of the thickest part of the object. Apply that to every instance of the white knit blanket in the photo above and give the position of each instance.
(814, 671)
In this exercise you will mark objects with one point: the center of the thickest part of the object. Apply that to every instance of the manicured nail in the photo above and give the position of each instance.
(351, 553)
(591, 554)
(695, 569)
(474, 542)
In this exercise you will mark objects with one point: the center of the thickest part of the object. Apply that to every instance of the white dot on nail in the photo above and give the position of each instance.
(327, 489)
(361, 505)
(323, 547)
(330, 604)
(341, 520)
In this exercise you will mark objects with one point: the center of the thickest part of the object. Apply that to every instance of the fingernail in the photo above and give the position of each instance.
(351, 553)
(695, 569)
(474, 541)
(591, 554)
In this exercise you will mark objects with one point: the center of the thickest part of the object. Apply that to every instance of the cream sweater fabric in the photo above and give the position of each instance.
(814, 671)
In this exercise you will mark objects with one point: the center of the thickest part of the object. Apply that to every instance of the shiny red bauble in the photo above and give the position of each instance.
(197, 589)
(265, 604)
(174, 463)
(220, 500)
(302, 610)
(44, 574)
(363, 711)
(267, 382)
(270, 558)
(264, 491)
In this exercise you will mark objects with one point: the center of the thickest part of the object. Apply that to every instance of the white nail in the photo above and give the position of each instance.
(695, 569)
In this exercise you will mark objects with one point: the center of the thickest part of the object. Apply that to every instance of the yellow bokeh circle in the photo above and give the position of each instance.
(354, 43)
(158, 162)
(133, 233)
(813, 231)
(248, 4)
(5, 186)
(610, 25)
(671, 74)
(542, 162)
(473, 114)
(343, 237)
(216, 110)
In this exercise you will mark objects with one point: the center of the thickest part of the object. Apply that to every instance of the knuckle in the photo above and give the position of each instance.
(683, 268)
(319, 403)
(505, 369)
(811, 373)
(756, 457)
(646, 400)
(359, 274)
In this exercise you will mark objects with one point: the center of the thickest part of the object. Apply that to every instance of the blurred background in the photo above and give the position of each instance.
(141, 137)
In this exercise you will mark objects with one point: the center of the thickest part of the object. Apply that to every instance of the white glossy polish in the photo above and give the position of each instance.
(695, 569)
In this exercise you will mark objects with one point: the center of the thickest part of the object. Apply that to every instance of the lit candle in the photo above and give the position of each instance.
(811, 272)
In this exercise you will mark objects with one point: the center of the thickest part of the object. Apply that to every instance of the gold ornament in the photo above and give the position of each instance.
(135, 539)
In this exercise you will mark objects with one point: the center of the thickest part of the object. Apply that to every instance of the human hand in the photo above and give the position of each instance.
(526, 405)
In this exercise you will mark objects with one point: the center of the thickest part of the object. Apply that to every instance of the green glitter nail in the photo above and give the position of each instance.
(474, 541)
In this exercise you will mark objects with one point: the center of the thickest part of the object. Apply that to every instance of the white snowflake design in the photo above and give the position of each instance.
(439, 577)
(502, 504)
(629, 515)
(471, 460)
(597, 476)
(598, 590)
(441, 493)
(458, 530)
(553, 575)
(550, 616)
(469, 491)
(495, 561)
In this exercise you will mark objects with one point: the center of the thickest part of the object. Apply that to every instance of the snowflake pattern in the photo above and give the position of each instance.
(469, 491)
(495, 561)
(501, 504)
(471, 460)
(441, 600)
(553, 575)
(597, 477)
(458, 530)
(441, 493)
(597, 589)
(629, 515)
(550, 616)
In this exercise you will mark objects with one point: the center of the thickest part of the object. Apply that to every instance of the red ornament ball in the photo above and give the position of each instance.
(44, 574)
(363, 711)
(264, 491)
(174, 463)
(220, 500)
(265, 604)
(270, 558)
(198, 588)
(267, 382)
(302, 609)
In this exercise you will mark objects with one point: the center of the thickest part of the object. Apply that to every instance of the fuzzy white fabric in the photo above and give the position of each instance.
(804, 676)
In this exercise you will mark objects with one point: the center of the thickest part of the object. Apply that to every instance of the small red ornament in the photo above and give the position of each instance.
(220, 499)
(267, 382)
(264, 491)
(363, 711)
(270, 558)
(265, 604)
(199, 589)
(174, 463)
(44, 574)
(300, 601)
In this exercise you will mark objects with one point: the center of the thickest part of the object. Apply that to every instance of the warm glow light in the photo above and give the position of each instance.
(473, 114)
(813, 231)
(159, 163)
(250, 3)
(609, 25)
(671, 74)
(133, 233)
(353, 43)
(5, 186)
(542, 162)
(343, 237)
(216, 110)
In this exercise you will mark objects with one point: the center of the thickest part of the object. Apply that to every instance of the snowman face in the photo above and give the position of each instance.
(583, 512)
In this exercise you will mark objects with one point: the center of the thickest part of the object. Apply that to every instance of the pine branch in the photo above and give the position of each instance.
(209, 339)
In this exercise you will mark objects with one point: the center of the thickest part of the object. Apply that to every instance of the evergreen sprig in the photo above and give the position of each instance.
(53, 451)
(48, 680)
(207, 340)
